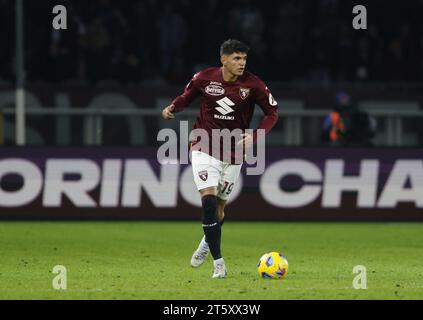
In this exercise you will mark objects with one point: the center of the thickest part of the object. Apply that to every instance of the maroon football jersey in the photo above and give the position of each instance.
(228, 105)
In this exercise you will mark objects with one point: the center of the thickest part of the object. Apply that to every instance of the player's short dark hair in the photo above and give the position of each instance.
(231, 45)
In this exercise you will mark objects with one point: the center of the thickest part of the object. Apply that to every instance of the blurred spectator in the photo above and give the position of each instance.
(105, 41)
(172, 33)
(6, 36)
(139, 56)
(287, 38)
(347, 125)
(209, 36)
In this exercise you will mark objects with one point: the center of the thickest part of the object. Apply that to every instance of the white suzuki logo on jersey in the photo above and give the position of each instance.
(225, 106)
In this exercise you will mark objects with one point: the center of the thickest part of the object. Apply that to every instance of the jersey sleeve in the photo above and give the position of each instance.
(190, 93)
(268, 104)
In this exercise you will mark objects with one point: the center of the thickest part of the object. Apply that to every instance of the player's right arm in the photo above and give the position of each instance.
(181, 102)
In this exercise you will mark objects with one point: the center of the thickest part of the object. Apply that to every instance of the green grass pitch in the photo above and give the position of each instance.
(151, 260)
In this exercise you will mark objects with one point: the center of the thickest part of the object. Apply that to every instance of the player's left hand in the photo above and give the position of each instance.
(247, 140)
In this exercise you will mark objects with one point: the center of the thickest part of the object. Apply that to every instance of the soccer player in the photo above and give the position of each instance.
(228, 97)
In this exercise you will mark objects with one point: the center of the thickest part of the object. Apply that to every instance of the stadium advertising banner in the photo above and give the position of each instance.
(129, 183)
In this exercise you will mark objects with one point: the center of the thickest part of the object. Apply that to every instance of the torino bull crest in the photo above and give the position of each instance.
(244, 93)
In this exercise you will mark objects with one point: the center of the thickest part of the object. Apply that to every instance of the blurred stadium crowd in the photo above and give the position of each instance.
(165, 42)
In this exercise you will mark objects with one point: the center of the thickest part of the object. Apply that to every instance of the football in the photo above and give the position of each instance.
(273, 265)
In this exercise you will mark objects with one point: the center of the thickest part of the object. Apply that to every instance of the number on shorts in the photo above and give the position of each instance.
(228, 187)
